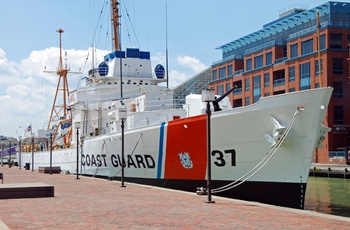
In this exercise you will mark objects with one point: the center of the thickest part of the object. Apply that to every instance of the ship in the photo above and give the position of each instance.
(123, 124)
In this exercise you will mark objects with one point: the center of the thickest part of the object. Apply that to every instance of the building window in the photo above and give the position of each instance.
(222, 72)
(307, 47)
(336, 41)
(220, 89)
(317, 85)
(305, 76)
(247, 85)
(337, 65)
(258, 61)
(269, 58)
(317, 67)
(338, 115)
(323, 42)
(292, 90)
(292, 73)
(267, 94)
(294, 51)
(338, 89)
(247, 101)
(249, 64)
(229, 70)
(214, 74)
(228, 86)
(266, 79)
(257, 88)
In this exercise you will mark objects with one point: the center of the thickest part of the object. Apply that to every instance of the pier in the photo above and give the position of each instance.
(91, 203)
(330, 170)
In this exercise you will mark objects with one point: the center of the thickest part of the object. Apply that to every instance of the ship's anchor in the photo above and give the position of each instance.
(277, 132)
(323, 131)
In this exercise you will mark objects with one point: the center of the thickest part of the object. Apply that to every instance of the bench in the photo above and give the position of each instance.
(26, 190)
(2, 178)
(46, 170)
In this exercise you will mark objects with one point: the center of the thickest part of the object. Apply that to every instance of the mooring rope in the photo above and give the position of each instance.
(104, 144)
(137, 143)
(263, 162)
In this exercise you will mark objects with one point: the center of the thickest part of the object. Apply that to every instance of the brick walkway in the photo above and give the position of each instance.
(91, 203)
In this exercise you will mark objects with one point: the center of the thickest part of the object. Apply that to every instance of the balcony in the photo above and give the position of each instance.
(280, 60)
(237, 91)
(279, 82)
(238, 72)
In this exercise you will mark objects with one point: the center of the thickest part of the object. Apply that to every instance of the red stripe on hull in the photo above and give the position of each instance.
(186, 136)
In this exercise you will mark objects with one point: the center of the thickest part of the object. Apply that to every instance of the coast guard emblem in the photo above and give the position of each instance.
(186, 160)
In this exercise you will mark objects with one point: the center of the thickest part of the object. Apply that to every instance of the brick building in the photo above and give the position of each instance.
(284, 57)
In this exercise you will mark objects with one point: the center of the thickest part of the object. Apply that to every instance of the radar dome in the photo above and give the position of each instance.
(103, 69)
(160, 71)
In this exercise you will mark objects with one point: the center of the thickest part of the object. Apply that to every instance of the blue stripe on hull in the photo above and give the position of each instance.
(160, 153)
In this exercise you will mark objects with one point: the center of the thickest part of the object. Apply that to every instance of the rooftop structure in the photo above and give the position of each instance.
(194, 85)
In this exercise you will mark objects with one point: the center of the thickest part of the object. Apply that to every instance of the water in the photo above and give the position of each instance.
(328, 195)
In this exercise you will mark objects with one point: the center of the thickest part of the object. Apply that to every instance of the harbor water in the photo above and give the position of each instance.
(328, 195)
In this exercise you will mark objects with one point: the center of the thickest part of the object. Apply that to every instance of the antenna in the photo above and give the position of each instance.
(166, 45)
(60, 111)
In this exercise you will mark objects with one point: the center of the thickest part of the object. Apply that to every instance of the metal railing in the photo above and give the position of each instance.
(336, 154)
(237, 91)
(238, 72)
(279, 82)
(280, 60)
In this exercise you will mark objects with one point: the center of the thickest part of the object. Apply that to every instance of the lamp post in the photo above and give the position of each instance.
(208, 95)
(20, 152)
(33, 134)
(51, 132)
(122, 113)
(2, 154)
(77, 126)
(81, 152)
(10, 154)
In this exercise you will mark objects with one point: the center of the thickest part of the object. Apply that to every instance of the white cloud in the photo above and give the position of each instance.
(192, 63)
(8, 70)
(19, 90)
(27, 92)
(181, 68)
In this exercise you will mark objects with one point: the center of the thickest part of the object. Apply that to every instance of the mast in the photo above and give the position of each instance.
(60, 111)
(115, 24)
(117, 38)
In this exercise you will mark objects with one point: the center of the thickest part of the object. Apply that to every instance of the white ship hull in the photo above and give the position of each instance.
(241, 139)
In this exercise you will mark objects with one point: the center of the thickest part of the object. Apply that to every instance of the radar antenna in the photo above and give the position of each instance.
(60, 112)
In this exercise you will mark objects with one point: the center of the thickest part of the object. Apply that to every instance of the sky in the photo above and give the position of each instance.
(29, 43)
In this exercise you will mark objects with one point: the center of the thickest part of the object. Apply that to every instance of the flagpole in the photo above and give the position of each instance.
(31, 134)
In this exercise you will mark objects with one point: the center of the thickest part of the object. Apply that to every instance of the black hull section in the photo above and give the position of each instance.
(291, 195)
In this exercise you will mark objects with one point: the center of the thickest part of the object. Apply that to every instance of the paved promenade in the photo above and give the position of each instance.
(91, 203)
